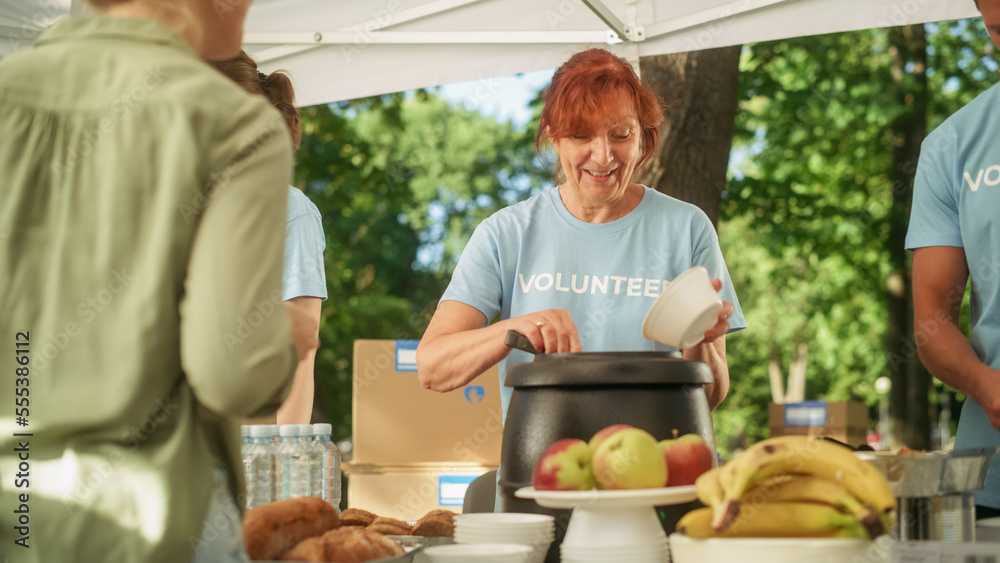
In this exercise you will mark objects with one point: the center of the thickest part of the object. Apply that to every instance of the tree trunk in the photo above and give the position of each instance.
(909, 408)
(700, 92)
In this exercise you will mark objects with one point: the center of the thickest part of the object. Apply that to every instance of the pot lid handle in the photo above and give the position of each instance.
(517, 340)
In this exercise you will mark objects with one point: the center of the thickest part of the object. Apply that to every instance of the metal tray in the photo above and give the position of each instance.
(408, 557)
(413, 544)
(931, 474)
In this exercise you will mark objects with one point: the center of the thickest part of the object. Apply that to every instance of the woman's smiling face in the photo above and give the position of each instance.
(599, 163)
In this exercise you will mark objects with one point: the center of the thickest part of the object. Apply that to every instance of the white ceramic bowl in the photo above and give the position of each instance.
(479, 553)
(684, 311)
(767, 550)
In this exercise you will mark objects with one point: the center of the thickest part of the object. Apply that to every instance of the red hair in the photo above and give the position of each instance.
(592, 87)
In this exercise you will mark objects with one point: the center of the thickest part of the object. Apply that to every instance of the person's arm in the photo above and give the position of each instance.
(236, 348)
(940, 274)
(457, 347)
(305, 314)
(712, 351)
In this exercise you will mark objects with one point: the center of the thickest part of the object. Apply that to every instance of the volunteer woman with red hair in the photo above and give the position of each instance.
(577, 267)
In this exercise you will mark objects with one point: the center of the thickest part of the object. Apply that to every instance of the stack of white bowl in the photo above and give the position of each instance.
(614, 535)
(534, 530)
(478, 553)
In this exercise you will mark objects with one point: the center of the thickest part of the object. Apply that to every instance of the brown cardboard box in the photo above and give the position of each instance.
(846, 421)
(407, 492)
(398, 422)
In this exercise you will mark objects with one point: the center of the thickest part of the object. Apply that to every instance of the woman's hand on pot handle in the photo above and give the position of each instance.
(550, 331)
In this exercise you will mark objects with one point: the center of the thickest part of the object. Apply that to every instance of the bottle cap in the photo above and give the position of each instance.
(322, 429)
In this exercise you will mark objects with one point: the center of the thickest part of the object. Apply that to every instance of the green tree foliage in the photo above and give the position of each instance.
(806, 217)
(400, 182)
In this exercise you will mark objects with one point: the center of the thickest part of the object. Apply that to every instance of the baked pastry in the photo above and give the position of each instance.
(309, 549)
(356, 517)
(436, 523)
(390, 526)
(272, 529)
(352, 544)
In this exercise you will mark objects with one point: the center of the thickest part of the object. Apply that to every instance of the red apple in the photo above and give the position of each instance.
(629, 459)
(687, 457)
(603, 434)
(564, 466)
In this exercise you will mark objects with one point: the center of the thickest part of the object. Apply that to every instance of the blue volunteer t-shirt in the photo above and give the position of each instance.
(956, 195)
(536, 255)
(304, 274)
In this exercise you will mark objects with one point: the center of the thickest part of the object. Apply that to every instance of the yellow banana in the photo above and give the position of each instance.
(776, 520)
(802, 455)
(708, 487)
(809, 488)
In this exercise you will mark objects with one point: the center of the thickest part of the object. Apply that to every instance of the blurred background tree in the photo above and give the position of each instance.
(401, 181)
(813, 216)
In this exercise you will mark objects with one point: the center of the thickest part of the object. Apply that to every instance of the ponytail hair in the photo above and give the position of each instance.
(276, 87)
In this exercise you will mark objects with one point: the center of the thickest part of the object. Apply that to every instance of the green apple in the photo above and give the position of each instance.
(597, 439)
(564, 466)
(629, 459)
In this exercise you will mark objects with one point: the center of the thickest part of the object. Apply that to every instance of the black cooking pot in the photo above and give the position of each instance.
(574, 395)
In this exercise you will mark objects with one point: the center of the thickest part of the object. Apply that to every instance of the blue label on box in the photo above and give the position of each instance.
(406, 355)
(451, 489)
(806, 413)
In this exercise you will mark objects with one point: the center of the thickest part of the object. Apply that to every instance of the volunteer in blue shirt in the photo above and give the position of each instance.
(953, 235)
(576, 267)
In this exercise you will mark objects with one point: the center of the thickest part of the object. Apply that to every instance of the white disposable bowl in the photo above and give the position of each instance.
(538, 549)
(767, 550)
(479, 552)
(505, 520)
(684, 311)
(483, 537)
(988, 529)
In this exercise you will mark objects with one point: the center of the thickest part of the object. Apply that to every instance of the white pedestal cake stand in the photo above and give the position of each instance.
(613, 521)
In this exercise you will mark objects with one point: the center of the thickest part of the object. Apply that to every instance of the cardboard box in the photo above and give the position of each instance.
(398, 422)
(846, 421)
(407, 492)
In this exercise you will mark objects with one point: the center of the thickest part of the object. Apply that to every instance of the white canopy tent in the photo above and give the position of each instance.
(343, 49)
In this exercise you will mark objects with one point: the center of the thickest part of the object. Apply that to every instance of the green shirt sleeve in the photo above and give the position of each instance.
(235, 335)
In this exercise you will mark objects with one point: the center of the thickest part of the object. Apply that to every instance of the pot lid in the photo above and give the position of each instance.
(608, 368)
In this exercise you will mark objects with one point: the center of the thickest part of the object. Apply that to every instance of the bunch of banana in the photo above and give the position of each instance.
(792, 486)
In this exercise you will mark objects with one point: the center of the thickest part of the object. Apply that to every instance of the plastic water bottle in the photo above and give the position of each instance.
(260, 462)
(313, 459)
(331, 465)
(245, 442)
(315, 463)
(294, 461)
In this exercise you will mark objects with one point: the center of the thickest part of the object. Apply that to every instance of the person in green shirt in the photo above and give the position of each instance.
(142, 215)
